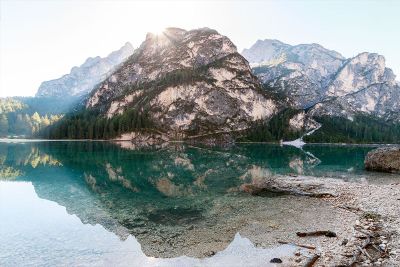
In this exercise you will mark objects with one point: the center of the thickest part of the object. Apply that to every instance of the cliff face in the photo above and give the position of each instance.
(363, 84)
(300, 72)
(324, 81)
(193, 82)
(82, 79)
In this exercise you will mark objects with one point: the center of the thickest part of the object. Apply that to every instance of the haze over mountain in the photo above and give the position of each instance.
(82, 79)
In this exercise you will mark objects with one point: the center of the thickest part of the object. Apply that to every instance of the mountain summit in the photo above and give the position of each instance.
(322, 80)
(187, 82)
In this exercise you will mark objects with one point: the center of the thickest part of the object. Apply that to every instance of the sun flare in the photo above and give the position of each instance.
(157, 30)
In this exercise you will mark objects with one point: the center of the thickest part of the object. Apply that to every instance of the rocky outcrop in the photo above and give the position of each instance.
(301, 186)
(189, 83)
(81, 80)
(385, 159)
(324, 82)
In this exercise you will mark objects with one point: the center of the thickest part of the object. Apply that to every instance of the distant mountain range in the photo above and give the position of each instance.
(324, 81)
(194, 85)
(82, 79)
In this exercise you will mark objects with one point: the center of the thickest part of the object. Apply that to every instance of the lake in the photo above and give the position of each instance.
(106, 204)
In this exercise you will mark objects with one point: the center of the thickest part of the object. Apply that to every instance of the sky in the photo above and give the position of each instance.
(43, 40)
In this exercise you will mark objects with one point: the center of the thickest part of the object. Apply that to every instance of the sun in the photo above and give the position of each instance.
(157, 30)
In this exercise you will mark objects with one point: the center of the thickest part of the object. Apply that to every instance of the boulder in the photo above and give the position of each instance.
(385, 159)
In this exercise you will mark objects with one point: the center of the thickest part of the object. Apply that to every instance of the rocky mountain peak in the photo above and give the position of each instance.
(265, 51)
(186, 48)
(188, 82)
(322, 79)
(360, 72)
(163, 53)
(324, 82)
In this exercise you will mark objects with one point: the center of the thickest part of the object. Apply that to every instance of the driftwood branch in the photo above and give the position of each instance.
(359, 251)
(310, 262)
(317, 233)
(296, 244)
(365, 253)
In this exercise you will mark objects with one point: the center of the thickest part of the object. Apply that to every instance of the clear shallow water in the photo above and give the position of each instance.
(94, 203)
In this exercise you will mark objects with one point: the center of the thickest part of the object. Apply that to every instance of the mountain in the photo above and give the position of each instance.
(81, 80)
(326, 83)
(194, 85)
(185, 83)
(29, 116)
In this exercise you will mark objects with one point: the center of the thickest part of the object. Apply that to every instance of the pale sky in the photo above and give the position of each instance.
(42, 40)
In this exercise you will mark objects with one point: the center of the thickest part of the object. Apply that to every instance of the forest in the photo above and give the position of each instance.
(362, 129)
(30, 117)
(89, 124)
(18, 118)
(273, 130)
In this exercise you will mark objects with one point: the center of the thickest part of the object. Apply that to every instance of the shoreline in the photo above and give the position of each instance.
(355, 212)
(20, 140)
(361, 215)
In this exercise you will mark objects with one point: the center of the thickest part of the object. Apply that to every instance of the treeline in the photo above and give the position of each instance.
(273, 130)
(362, 129)
(22, 124)
(90, 124)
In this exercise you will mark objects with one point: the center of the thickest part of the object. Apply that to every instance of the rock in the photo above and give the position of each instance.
(385, 159)
(276, 260)
(210, 253)
(280, 184)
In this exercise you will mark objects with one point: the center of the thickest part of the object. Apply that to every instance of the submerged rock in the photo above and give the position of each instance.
(385, 159)
(276, 260)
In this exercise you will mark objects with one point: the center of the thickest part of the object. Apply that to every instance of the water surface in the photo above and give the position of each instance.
(98, 204)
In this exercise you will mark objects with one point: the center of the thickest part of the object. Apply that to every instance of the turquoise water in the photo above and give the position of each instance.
(97, 204)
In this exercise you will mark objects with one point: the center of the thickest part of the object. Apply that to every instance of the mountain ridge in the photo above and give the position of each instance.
(310, 79)
(187, 85)
(82, 79)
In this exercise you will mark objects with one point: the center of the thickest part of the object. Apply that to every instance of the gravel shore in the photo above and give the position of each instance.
(364, 217)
